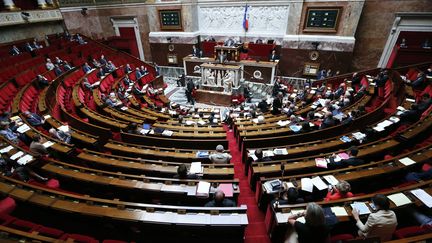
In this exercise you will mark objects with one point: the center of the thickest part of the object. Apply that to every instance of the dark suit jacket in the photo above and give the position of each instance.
(272, 58)
(353, 161)
(277, 104)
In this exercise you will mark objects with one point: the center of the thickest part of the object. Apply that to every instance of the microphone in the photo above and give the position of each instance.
(282, 167)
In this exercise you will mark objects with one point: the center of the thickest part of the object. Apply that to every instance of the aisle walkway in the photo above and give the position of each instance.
(255, 231)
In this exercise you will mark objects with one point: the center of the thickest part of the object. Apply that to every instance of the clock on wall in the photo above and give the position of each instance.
(313, 55)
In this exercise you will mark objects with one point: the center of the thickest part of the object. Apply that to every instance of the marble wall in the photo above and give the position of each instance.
(35, 30)
(375, 25)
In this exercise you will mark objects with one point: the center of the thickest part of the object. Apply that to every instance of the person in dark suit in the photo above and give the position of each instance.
(273, 57)
(143, 71)
(381, 78)
(260, 156)
(351, 161)
(28, 47)
(181, 81)
(41, 82)
(421, 82)
(138, 74)
(195, 51)
(277, 88)
(34, 119)
(67, 66)
(339, 91)
(103, 61)
(127, 68)
(263, 106)
(100, 73)
(414, 114)
(15, 51)
(277, 104)
(57, 70)
(328, 121)
(86, 68)
(189, 89)
(127, 81)
(356, 79)
(220, 201)
(222, 57)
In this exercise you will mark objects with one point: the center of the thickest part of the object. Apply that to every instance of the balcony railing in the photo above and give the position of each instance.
(29, 16)
(77, 3)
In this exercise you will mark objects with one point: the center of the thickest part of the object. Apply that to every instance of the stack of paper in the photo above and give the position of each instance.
(64, 128)
(361, 207)
(202, 154)
(47, 117)
(123, 108)
(423, 196)
(25, 159)
(295, 128)
(7, 149)
(319, 183)
(201, 122)
(268, 153)
(167, 133)
(339, 211)
(24, 128)
(331, 179)
(189, 122)
(306, 184)
(283, 123)
(394, 119)
(399, 199)
(255, 120)
(196, 168)
(282, 151)
(319, 115)
(17, 155)
(345, 139)
(203, 189)
(400, 108)
(407, 161)
(321, 162)
(48, 144)
(359, 135)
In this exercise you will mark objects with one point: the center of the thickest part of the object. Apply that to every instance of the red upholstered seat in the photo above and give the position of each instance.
(341, 238)
(53, 183)
(50, 232)
(409, 231)
(7, 205)
(23, 225)
(6, 219)
(113, 241)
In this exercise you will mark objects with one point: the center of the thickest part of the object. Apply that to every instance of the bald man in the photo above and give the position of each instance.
(220, 201)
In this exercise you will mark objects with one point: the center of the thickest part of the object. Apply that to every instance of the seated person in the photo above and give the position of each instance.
(28, 47)
(110, 67)
(127, 68)
(101, 73)
(263, 106)
(260, 156)
(87, 84)
(127, 81)
(61, 135)
(138, 74)
(220, 201)
(351, 161)
(220, 157)
(86, 68)
(35, 45)
(341, 190)
(23, 172)
(58, 61)
(67, 66)
(195, 51)
(182, 173)
(143, 71)
(36, 146)
(425, 174)
(417, 109)
(34, 119)
(15, 51)
(49, 65)
(7, 132)
(96, 64)
(103, 61)
(57, 70)
(381, 223)
(420, 83)
(314, 229)
(289, 195)
(328, 121)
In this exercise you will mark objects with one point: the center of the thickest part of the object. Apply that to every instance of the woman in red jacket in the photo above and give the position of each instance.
(341, 190)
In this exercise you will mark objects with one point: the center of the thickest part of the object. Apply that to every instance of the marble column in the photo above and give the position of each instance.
(10, 5)
(42, 4)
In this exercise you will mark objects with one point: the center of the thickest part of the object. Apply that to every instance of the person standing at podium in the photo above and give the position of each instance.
(222, 57)
(195, 51)
(273, 57)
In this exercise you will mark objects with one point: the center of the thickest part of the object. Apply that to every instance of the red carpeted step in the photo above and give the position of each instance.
(255, 229)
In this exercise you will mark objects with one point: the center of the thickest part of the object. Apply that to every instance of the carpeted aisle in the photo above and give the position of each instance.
(255, 231)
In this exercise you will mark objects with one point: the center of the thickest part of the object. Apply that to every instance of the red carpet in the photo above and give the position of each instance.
(255, 232)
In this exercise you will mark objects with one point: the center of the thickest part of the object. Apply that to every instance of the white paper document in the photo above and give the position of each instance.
(319, 183)
(407, 161)
(7, 149)
(25, 159)
(423, 196)
(64, 128)
(331, 179)
(268, 153)
(203, 188)
(24, 128)
(306, 184)
(17, 155)
(48, 144)
(196, 168)
(339, 211)
(399, 199)
(282, 151)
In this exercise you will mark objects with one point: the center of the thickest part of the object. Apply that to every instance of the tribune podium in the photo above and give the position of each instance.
(232, 52)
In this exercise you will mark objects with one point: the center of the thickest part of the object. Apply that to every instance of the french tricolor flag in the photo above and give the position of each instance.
(246, 19)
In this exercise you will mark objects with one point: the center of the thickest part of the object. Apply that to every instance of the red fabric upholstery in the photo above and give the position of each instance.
(113, 241)
(23, 225)
(53, 183)
(6, 219)
(7, 205)
(409, 231)
(50, 232)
